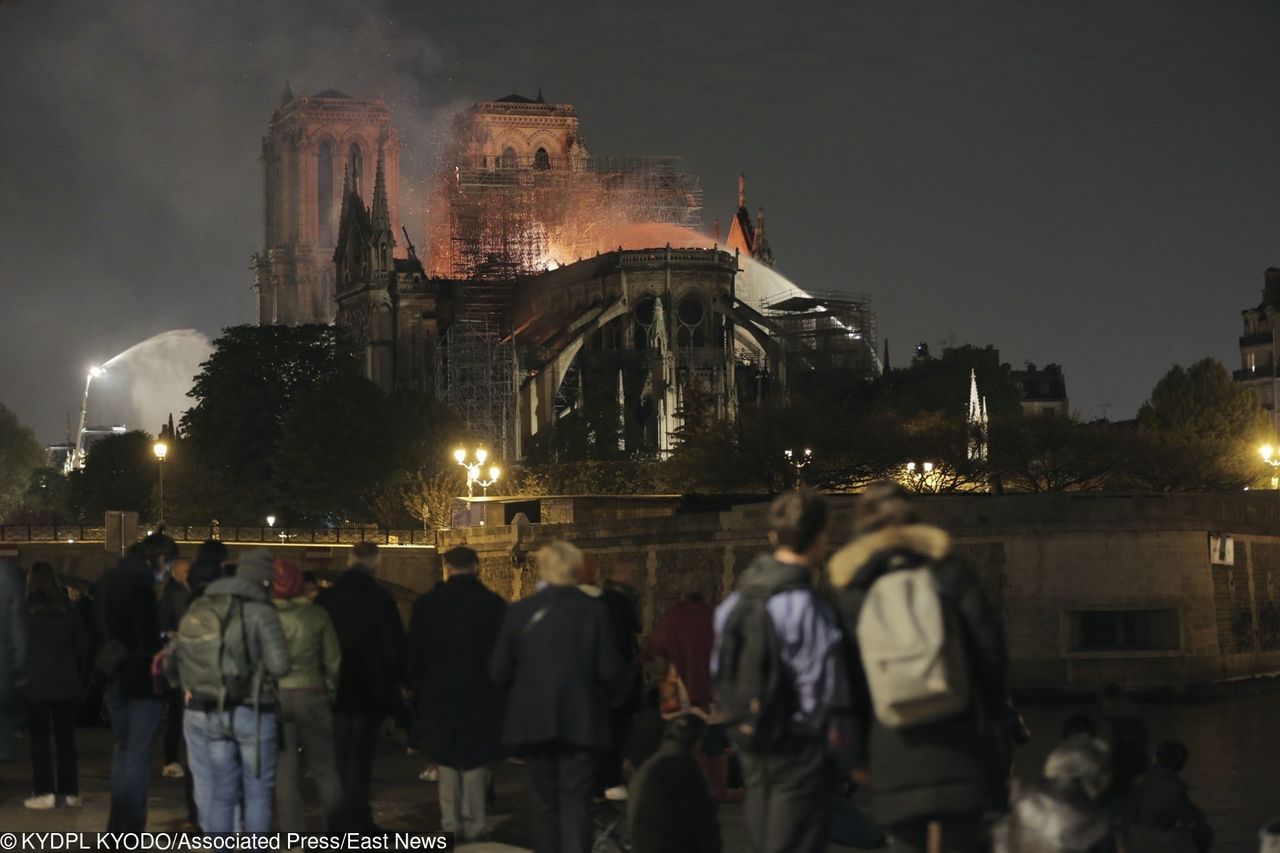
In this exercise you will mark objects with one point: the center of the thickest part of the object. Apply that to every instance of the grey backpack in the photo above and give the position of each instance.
(912, 650)
(213, 654)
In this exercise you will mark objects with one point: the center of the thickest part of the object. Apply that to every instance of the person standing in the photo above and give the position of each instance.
(174, 598)
(619, 597)
(371, 637)
(557, 656)
(230, 651)
(452, 632)
(13, 655)
(126, 631)
(929, 665)
(685, 637)
(59, 648)
(782, 681)
(306, 697)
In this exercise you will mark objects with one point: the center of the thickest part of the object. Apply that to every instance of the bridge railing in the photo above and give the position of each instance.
(71, 533)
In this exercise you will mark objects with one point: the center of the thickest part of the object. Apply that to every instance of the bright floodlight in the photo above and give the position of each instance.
(494, 473)
(95, 371)
(460, 455)
(271, 521)
(481, 455)
(1267, 452)
(161, 450)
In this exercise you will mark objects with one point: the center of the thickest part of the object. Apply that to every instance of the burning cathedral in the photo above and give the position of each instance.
(548, 275)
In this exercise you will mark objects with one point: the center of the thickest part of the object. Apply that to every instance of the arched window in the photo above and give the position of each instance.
(324, 194)
(357, 169)
(541, 159)
(508, 161)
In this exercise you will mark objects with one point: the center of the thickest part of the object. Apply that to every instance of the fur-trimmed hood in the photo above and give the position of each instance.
(924, 539)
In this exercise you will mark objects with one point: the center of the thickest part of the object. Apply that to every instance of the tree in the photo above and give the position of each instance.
(20, 454)
(244, 394)
(1040, 453)
(47, 499)
(1199, 431)
(119, 474)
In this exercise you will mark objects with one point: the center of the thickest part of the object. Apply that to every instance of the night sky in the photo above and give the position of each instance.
(1088, 183)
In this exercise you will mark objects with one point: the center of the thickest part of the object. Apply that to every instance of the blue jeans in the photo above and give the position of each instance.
(134, 723)
(233, 760)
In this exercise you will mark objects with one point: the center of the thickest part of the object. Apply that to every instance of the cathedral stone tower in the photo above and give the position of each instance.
(310, 141)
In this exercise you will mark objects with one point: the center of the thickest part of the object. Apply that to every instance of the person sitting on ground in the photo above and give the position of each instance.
(1063, 814)
(670, 807)
(1163, 803)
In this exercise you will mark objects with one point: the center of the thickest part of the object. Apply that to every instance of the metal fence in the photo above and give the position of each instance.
(198, 533)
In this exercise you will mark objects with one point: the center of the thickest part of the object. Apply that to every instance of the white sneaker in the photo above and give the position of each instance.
(71, 801)
(173, 771)
(615, 794)
(431, 774)
(40, 802)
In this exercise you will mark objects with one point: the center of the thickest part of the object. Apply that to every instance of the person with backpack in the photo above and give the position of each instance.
(229, 652)
(126, 632)
(451, 635)
(557, 655)
(174, 598)
(306, 697)
(58, 646)
(929, 665)
(782, 683)
(371, 637)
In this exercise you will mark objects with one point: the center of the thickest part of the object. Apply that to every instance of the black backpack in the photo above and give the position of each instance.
(752, 688)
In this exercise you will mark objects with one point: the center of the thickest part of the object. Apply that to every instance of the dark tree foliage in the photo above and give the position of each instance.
(1199, 431)
(120, 473)
(1049, 453)
(20, 454)
(244, 394)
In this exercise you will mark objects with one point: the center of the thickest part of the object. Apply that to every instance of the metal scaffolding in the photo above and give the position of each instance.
(476, 369)
(827, 330)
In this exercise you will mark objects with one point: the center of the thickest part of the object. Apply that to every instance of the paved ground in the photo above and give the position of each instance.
(402, 801)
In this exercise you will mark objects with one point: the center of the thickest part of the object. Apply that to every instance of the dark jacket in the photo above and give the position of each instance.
(1163, 802)
(371, 638)
(125, 609)
(558, 657)
(13, 631)
(669, 808)
(59, 650)
(266, 643)
(620, 601)
(953, 765)
(452, 633)
(685, 636)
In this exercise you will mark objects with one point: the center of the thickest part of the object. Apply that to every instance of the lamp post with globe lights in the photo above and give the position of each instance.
(161, 450)
(798, 460)
(473, 469)
(1270, 457)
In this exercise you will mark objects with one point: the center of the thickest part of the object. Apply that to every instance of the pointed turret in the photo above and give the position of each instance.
(539, 98)
(742, 190)
(346, 182)
(287, 95)
(380, 214)
(759, 243)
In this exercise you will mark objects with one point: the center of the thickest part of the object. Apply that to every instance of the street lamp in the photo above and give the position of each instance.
(1269, 456)
(474, 477)
(798, 460)
(271, 521)
(920, 472)
(161, 450)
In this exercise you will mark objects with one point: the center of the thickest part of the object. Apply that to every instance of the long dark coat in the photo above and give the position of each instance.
(558, 654)
(452, 632)
(125, 609)
(59, 651)
(371, 637)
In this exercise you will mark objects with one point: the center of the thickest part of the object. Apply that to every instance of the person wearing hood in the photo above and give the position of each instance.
(946, 773)
(306, 696)
(791, 780)
(557, 657)
(126, 632)
(1062, 815)
(230, 683)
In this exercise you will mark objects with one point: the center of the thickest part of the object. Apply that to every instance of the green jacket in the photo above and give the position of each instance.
(313, 646)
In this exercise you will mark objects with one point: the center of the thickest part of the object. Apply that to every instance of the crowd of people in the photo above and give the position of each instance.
(878, 669)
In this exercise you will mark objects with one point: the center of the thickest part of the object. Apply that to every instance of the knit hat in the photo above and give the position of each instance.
(288, 579)
(255, 567)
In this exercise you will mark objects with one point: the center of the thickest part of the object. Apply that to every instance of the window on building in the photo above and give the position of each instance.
(508, 158)
(1123, 631)
(541, 159)
(324, 194)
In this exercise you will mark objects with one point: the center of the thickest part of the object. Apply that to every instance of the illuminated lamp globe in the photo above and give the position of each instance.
(494, 472)
(160, 449)
(460, 455)
(481, 455)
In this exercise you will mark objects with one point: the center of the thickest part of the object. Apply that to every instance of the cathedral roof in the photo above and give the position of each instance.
(521, 99)
(332, 93)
